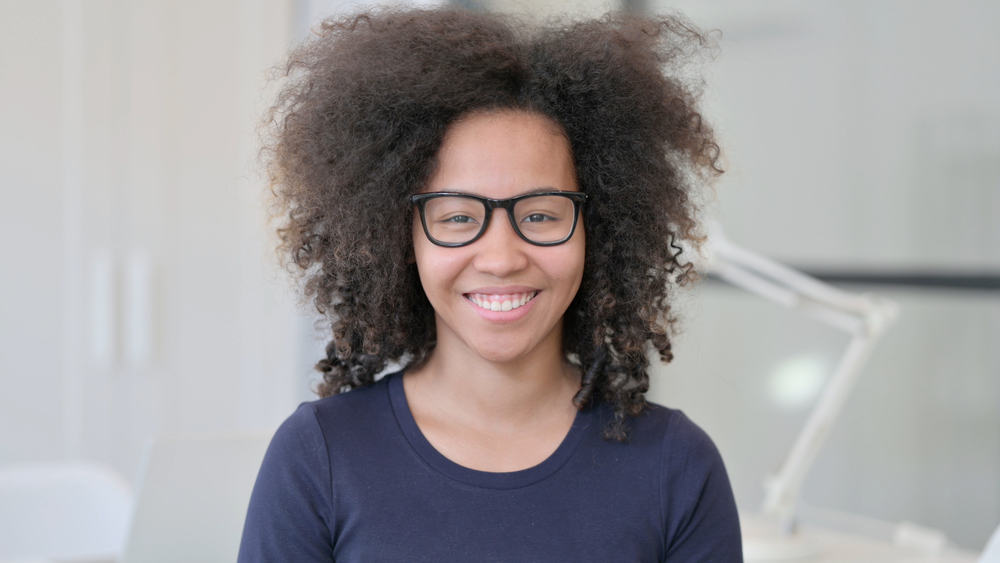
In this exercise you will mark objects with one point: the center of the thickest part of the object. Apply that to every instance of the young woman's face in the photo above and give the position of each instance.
(500, 155)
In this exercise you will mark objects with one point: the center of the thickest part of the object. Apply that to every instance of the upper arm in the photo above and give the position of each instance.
(699, 511)
(290, 509)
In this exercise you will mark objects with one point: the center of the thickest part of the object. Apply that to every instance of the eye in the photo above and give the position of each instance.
(458, 219)
(538, 218)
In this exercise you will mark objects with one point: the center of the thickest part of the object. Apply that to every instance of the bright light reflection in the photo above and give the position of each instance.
(797, 381)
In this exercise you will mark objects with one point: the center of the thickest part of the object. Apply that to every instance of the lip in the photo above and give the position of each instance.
(503, 316)
(503, 290)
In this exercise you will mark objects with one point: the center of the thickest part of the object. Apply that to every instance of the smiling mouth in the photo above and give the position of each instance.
(505, 302)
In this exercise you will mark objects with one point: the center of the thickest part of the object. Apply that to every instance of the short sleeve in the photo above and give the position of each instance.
(699, 511)
(290, 508)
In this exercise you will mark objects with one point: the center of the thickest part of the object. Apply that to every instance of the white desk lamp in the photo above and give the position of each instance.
(776, 536)
(863, 317)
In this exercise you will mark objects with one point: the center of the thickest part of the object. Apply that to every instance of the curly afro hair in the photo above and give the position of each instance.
(359, 120)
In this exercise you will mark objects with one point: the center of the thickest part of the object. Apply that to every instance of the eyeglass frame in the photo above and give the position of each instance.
(578, 199)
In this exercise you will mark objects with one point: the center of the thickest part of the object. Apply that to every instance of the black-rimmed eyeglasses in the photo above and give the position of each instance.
(540, 218)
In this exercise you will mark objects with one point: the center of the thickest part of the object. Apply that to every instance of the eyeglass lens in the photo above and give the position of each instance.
(456, 219)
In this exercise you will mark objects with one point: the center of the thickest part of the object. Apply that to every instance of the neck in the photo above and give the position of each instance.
(469, 388)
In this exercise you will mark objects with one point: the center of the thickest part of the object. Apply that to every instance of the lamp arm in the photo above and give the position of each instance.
(864, 317)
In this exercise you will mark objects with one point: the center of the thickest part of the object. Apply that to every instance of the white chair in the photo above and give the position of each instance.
(991, 553)
(62, 511)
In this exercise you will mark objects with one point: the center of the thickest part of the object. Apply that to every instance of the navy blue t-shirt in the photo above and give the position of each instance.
(350, 478)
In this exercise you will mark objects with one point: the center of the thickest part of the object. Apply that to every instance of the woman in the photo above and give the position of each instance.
(494, 208)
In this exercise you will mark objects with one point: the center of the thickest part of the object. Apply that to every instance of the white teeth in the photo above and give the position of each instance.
(507, 302)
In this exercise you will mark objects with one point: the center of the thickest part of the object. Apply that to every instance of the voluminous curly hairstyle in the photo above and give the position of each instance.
(358, 123)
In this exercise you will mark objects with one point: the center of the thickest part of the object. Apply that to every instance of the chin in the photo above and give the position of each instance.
(498, 355)
(504, 351)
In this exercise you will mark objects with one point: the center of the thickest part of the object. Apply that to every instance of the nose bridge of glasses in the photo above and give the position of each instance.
(505, 206)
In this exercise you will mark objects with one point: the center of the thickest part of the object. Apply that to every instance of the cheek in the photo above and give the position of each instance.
(420, 256)
(437, 266)
(568, 266)
(579, 253)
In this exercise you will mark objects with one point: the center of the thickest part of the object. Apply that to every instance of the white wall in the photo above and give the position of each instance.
(869, 129)
(32, 236)
(140, 296)
(857, 135)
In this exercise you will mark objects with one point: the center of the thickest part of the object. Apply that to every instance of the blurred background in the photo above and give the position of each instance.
(141, 296)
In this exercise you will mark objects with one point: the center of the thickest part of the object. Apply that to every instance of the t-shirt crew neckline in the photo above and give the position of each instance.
(474, 477)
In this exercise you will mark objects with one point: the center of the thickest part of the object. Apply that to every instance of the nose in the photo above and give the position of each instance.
(499, 251)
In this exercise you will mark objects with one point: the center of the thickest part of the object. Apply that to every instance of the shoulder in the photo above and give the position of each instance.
(697, 505)
(674, 436)
(313, 419)
(305, 438)
(667, 419)
(353, 407)
(684, 443)
(686, 455)
(686, 452)
(291, 515)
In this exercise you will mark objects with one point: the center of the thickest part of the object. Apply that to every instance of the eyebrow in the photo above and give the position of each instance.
(543, 189)
(528, 192)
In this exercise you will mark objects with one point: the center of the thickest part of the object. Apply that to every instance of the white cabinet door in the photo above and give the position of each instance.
(140, 294)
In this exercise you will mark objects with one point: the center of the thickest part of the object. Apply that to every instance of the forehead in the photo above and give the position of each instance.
(503, 153)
